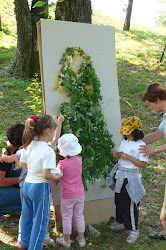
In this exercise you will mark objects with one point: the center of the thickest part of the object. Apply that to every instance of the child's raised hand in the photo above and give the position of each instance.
(60, 118)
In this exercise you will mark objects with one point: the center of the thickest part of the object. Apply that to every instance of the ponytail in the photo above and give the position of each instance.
(35, 126)
(29, 133)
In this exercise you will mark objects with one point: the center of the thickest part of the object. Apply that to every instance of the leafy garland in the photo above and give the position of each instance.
(83, 114)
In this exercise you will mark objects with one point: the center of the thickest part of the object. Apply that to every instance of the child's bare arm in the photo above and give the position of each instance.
(50, 176)
(138, 163)
(57, 131)
(23, 165)
(9, 158)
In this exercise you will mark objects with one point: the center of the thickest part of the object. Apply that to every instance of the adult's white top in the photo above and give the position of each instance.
(162, 125)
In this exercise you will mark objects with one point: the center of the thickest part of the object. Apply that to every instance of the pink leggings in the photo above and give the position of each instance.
(69, 208)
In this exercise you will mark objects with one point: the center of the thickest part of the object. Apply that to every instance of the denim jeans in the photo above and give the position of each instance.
(10, 201)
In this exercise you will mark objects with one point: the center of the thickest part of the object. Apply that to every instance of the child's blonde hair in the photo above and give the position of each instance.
(36, 127)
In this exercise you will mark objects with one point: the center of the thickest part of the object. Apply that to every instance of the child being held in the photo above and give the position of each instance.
(128, 186)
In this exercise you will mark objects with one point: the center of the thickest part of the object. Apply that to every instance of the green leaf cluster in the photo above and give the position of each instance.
(39, 4)
(35, 96)
(84, 118)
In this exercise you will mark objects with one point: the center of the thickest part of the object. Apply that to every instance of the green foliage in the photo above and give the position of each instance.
(161, 18)
(39, 4)
(57, 11)
(35, 96)
(84, 117)
(2, 143)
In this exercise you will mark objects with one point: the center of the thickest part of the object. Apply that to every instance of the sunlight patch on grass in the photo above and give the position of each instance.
(6, 239)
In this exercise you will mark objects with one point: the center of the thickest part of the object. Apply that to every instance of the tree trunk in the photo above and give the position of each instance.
(35, 17)
(161, 58)
(128, 16)
(27, 59)
(24, 38)
(74, 11)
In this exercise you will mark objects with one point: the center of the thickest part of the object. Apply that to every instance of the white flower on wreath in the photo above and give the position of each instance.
(70, 59)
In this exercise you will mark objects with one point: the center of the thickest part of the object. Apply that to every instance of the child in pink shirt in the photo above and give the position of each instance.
(72, 189)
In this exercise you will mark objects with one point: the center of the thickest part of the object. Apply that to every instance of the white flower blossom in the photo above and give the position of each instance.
(70, 59)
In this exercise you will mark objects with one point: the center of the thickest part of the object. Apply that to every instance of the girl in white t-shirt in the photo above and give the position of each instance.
(128, 186)
(39, 159)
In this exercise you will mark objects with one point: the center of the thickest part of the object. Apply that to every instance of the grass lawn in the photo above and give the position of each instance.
(137, 52)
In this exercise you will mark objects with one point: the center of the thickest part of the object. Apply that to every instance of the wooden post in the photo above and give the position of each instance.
(39, 46)
(58, 218)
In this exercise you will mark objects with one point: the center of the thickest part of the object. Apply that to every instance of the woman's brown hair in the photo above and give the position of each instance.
(154, 91)
(36, 128)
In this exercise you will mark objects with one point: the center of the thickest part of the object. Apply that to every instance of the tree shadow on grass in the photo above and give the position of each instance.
(135, 74)
(9, 230)
(142, 35)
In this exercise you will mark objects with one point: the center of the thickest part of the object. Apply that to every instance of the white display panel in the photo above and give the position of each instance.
(99, 43)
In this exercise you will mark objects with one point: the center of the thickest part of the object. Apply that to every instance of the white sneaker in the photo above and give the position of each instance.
(62, 242)
(48, 240)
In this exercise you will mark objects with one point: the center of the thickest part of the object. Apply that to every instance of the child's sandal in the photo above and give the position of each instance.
(133, 236)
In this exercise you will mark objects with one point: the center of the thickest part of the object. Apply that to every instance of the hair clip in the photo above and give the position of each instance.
(34, 118)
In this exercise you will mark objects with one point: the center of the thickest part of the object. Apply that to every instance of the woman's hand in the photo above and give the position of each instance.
(147, 150)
